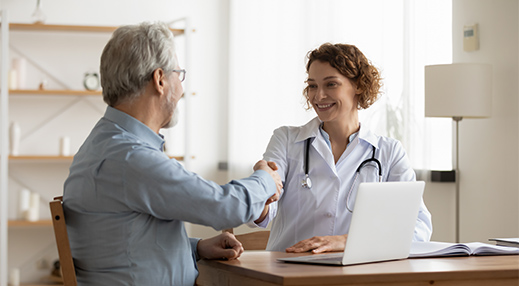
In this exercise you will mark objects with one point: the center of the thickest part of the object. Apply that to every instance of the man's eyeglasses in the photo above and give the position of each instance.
(181, 74)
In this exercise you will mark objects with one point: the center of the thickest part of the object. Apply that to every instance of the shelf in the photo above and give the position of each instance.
(47, 158)
(40, 158)
(24, 223)
(54, 92)
(71, 28)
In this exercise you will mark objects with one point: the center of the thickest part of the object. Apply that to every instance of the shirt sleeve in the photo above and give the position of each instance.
(400, 169)
(163, 188)
(194, 247)
(276, 152)
(270, 216)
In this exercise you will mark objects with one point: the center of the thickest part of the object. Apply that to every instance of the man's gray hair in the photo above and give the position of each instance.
(131, 56)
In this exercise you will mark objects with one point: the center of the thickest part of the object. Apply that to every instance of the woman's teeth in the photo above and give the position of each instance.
(324, 105)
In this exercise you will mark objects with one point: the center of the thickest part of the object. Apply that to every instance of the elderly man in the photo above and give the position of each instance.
(125, 201)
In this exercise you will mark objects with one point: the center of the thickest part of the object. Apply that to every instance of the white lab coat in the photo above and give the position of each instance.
(303, 213)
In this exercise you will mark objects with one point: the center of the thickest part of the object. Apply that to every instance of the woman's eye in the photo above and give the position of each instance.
(312, 86)
(331, 84)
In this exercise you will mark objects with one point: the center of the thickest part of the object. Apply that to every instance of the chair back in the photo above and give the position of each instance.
(256, 240)
(60, 231)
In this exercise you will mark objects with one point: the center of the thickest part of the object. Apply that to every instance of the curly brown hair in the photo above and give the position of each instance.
(351, 63)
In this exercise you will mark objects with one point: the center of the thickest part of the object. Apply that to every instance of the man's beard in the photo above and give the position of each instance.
(174, 119)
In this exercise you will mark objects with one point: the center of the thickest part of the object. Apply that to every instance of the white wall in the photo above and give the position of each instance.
(488, 147)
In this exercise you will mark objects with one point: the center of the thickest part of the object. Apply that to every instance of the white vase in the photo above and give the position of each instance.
(65, 146)
(14, 138)
(14, 277)
(24, 202)
(19, 65)
(38, 17)
(33, 214)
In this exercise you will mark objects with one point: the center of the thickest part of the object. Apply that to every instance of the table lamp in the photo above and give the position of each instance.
(459, 90)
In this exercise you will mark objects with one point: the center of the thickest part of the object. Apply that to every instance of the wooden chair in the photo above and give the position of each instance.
(60, 231)
(256, 240)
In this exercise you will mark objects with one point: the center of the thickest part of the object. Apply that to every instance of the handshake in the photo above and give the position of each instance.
(271, 167)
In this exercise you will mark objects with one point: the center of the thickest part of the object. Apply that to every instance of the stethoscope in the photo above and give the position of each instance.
(307, 183)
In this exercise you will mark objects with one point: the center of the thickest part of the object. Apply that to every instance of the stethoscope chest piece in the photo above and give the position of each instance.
(307, 183)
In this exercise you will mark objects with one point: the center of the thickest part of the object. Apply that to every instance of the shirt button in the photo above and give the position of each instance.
(329, 214)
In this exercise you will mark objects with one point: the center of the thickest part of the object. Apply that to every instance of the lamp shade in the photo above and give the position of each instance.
(458, 90)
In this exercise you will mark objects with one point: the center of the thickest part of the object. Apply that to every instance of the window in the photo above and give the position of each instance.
(269, 42)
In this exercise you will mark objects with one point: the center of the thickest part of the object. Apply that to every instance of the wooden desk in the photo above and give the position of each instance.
(255, 268)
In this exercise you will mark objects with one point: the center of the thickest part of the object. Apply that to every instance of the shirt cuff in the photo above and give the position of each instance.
(265, 176)
(262, 224)
(194, 244)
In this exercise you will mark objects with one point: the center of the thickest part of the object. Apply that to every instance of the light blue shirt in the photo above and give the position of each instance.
(126, 202)
(326, 137)
(321, 211)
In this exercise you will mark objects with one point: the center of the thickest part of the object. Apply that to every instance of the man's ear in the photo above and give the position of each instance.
(159, 80)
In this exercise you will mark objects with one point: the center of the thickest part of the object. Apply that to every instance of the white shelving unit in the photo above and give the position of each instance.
(4, 117)
(5, 160)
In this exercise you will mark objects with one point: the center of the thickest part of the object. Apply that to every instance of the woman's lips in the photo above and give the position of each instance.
(324, 107)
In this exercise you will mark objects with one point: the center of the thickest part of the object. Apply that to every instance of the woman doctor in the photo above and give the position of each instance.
(314, 214)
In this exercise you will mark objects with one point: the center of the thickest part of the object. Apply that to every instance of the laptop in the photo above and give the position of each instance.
(382, 225)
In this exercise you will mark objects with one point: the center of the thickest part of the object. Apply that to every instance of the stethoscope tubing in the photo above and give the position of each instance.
(307, 183)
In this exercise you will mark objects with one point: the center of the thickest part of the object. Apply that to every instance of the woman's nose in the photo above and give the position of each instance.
(319, 94)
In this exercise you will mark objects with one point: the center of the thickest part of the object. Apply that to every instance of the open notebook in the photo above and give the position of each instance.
(382, 225)
(439, 249)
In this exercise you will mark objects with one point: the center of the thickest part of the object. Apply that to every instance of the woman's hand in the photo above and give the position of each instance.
(320, 244)
(271, 168)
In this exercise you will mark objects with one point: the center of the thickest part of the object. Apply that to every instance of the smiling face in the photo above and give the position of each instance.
(331, 94)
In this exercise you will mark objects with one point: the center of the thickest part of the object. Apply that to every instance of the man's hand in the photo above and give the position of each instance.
(271, 167)
(319, 244)
(223, 246)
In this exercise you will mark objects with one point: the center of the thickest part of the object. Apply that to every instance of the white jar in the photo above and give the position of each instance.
(14, 138)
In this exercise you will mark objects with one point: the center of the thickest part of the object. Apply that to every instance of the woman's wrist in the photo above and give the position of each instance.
(263, 215)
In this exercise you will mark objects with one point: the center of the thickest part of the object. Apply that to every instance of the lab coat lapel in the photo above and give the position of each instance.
(348, 150)
(324, 151)
(311, 129)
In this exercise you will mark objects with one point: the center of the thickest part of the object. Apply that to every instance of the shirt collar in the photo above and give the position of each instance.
(327, 137)
(312, 129)
(134, 126)
(366, 135)
(309, 130)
